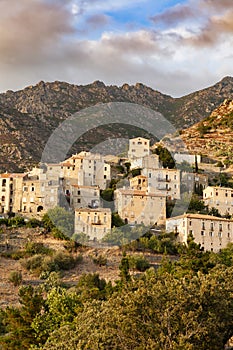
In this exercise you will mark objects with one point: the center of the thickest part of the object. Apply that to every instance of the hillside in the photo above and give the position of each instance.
(34, 112)
(214, 135)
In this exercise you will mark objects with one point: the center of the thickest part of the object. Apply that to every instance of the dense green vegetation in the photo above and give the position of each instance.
(165, 157)
(184, 304)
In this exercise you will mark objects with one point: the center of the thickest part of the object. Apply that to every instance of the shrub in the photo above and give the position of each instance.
(32, 223)
(16, 221)
(100, 260)
(32, 248)
(16, 278)
(139, 263)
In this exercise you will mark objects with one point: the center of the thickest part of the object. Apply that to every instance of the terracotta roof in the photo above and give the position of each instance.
(199, 216)
(13, 175)
(140, 193)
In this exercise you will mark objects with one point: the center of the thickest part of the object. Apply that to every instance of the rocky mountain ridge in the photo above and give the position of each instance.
(29, 116)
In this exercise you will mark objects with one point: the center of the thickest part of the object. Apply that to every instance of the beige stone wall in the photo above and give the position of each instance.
(138, 147)
(138, 207)
(166, 181)
(212, 233)
(95, 223)
(84, 196)
(220, 198)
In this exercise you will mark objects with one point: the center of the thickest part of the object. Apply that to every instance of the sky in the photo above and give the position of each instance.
(175, 47)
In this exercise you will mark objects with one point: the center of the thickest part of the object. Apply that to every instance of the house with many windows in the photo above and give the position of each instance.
(212, 233)
(140, 207)
(220, 198)
(94, 223)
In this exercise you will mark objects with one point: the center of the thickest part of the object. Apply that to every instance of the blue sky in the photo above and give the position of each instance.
(172, 46)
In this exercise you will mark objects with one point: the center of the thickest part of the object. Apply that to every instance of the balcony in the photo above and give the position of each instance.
(164, 188)
(163, 179)
(99, 222)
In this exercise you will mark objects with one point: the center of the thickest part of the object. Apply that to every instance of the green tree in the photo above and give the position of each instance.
(165, 157)
(60, 222)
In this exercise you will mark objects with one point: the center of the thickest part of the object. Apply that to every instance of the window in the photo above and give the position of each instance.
(220, 234)
(220, 227)
(202, 233)
(211, 234)
(211, 226)
(78, 193)
(79, 200)
(190, 223)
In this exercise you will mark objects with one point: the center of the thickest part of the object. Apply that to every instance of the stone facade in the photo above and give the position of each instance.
(140, 207)
(212, 233)
(95, 223)
(220, 198)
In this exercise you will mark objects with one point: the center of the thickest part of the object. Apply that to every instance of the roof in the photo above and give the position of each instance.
(88, 187)
(219, 188)
(97, 210)
(140, 193)
(139, 138)
(199, 217)
(13, 175)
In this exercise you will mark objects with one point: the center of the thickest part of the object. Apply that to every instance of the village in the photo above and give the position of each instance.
(141, 192)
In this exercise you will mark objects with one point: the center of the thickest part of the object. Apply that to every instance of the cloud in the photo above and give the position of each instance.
(176, 14)
(40, 40)
(29, 28)
(218, 28)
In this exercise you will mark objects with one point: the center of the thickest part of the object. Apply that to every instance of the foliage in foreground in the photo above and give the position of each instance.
(186, 304)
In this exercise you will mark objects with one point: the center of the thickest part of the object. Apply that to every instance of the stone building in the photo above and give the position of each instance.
(220, 198)
(140, 207)
(95, 223)
(166, 181)
(139, 147)
(212, 233)
(84, 196)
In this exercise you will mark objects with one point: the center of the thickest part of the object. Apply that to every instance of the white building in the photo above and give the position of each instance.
(186, 157)
(166, 181)
(212, 233)
(138, 147)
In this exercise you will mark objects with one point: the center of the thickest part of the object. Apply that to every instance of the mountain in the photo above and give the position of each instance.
(29, 116)
(213, 136)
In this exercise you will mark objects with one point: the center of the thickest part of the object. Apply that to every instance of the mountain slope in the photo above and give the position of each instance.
(214, 135)
(29, 116)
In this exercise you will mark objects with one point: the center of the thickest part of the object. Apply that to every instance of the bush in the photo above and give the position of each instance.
(100, 260)
(33, 264)
(32, 223)
(16, 221)
(139, 263)
(16, 278)
(33, 248)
